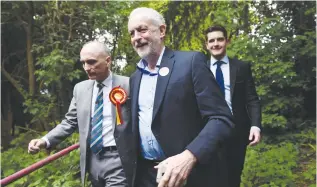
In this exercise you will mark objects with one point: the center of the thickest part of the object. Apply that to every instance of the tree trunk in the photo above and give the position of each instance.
(6, 122)
(29, 42)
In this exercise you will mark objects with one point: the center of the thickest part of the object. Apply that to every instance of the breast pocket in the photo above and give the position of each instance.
(240, 82)
(175, 87)
(127, 104)
(239, 79)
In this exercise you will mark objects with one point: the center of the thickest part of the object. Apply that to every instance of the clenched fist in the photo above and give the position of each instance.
(35, 145)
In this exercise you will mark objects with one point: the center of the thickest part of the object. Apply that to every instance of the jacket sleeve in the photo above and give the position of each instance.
(68, 125)
(213, 109)
(252, 99)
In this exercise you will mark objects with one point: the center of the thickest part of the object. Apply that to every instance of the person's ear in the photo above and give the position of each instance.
(206, 44)
(228, 41)
(162, 31)
(108, 61)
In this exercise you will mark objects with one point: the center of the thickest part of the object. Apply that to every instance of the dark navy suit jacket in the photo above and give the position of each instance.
(246, 107)
(189, 113)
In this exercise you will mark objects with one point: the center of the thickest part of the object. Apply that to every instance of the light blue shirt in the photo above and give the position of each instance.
(150, 147)
(226, 76)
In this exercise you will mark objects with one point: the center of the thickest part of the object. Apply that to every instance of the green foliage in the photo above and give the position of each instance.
(277, 38)
(42, 110)
(269, 38)
(61, 172)
(288, 160)
(281, 53)
(55, 66)
(307, 143)
(270, 165)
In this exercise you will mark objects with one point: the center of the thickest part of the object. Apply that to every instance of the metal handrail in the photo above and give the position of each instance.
(37, 165)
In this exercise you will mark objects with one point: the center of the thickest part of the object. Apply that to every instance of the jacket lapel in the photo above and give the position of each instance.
(115, 83)
(135, 87)
(87, 104)
(208, 63)
(233, 73)
(162, 81)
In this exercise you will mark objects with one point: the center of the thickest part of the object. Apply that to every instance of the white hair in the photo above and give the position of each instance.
(150, 14)
(98, 45)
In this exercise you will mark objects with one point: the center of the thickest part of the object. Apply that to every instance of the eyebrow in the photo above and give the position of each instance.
(222, 37)
(139, 27)
(89, 61)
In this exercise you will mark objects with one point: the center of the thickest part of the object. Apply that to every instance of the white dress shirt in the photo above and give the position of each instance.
(225, 68)
(226, 76)
(107, 131)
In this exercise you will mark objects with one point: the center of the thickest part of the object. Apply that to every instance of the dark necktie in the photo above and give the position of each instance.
(219, 76)
(96, 123)
(144, 71)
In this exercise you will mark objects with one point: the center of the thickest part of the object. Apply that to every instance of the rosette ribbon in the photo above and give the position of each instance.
(118, 97)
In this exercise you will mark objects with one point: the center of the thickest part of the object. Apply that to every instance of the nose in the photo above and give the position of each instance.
(136, 36)
(87, 67)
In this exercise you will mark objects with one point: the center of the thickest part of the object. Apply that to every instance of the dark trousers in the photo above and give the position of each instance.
(201, 175)
(235, 153)
(146, 173)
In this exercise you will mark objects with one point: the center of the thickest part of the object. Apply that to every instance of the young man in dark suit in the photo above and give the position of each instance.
(235, 80)
(179, 116)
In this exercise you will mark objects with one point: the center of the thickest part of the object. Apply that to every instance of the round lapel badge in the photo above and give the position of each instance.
(164, 71)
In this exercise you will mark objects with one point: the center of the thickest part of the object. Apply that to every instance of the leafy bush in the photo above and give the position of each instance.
(61, 172)
(288, 160)
(270, 165)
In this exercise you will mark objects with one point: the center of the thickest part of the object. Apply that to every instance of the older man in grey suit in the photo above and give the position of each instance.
(94, 114)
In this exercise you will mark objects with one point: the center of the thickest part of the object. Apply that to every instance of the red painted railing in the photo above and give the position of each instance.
(37, 165)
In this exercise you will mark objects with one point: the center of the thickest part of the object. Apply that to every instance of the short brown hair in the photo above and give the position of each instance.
(216, 28)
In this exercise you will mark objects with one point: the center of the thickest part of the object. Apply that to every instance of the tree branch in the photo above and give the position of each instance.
(14, 82)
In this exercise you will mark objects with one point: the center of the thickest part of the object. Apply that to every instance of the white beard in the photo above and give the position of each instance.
(144, 51)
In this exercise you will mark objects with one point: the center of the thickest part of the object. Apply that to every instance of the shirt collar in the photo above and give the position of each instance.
(143, 65)
(225, 59)
(108, 81)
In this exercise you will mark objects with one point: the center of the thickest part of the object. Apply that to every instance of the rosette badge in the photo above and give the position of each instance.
(118, 97)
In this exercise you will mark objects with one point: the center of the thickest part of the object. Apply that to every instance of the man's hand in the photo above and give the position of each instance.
(177, 169)
(35, 145)
(255, 134)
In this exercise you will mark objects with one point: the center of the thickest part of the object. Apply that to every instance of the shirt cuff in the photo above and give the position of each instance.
(255, 127)
(47, 142)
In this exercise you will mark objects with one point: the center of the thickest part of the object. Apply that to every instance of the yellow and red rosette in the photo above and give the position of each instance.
(118, 97)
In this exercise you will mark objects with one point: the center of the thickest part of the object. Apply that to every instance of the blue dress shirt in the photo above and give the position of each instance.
(150, 147)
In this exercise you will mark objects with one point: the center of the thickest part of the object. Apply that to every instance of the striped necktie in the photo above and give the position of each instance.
(219, 76)
(96, 123)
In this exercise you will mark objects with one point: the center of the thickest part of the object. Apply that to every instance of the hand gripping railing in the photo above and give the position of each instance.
(37, 165)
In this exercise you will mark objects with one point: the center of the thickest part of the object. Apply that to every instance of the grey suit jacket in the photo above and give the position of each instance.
(79, 116)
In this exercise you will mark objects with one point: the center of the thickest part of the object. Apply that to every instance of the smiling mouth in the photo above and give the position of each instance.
(140, 45)
(217, 49)
(90, 74)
